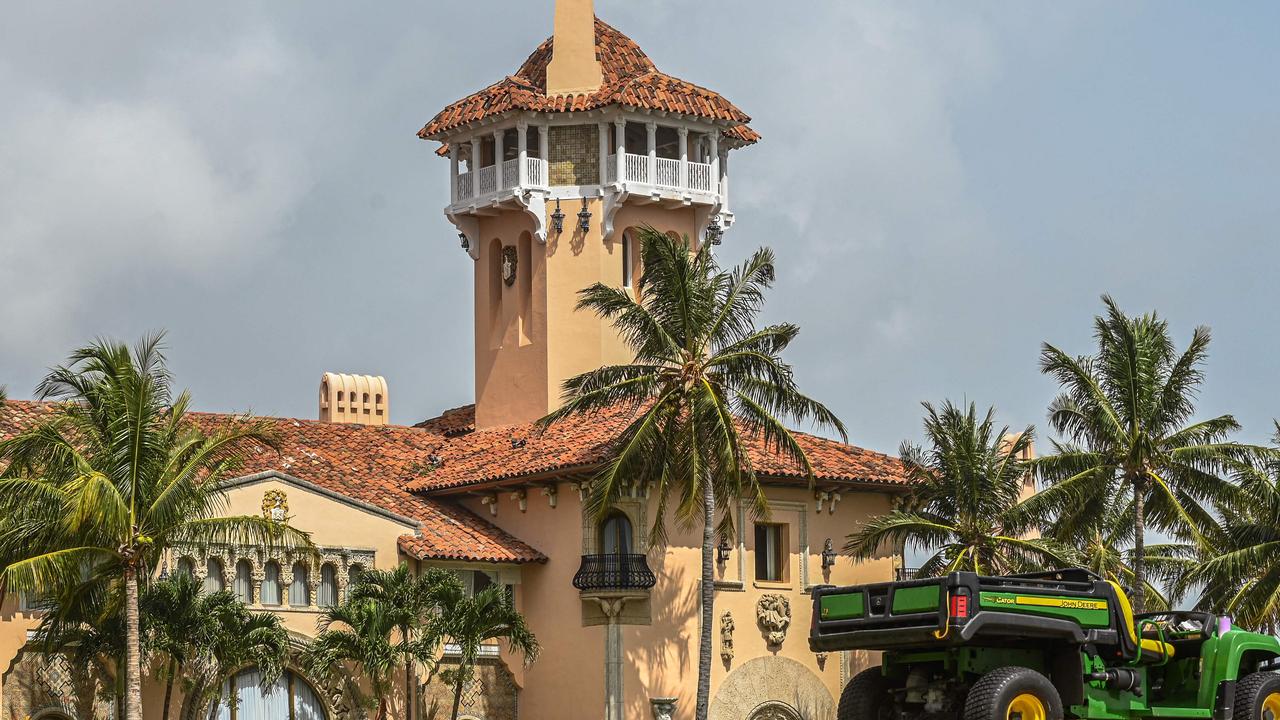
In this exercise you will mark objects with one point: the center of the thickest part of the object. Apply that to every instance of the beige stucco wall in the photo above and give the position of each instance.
(660, 658)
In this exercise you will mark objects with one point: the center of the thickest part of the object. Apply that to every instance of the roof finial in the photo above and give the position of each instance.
(574, 68)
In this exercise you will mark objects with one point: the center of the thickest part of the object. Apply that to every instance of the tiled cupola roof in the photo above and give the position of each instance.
(630, 80)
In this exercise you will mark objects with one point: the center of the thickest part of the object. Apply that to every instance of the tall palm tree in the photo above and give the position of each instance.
(470, 622)
(176, 627)
(704, 381)
(125, 474)
(1125, 415)
(411, 602)
(358, 632)
(966, 502)
(1103, 548)
(85, 621)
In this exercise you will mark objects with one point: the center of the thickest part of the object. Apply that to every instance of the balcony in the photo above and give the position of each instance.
(662, 173)
(485, 181)
(614, 573)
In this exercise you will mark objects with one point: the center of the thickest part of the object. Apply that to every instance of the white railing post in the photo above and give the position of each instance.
(603, 130)
(715, 160)
(498, 157)
(684, 158)
(620, 139)
(522, 136)
(475, 165)
(724, 184)
(652, 128)
(453, 172)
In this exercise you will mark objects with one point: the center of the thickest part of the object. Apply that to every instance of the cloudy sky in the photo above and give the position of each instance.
(947, 185)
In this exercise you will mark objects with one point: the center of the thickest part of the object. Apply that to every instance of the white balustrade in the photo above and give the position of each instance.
(668, 173)
(700, 176)
(536, 172)
(464, 185)
(636, 168)
(511, 173)
(488, 180)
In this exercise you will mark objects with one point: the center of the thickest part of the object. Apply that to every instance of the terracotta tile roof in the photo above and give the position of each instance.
(630, 79)
(373, 465)
(513, 452)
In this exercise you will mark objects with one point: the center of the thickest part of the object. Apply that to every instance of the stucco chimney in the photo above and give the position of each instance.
(574, 68)
(354, 399)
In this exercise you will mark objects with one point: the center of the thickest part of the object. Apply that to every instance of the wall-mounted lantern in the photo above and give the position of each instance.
(714, 232)
(462, 239)
(584, 217)
(722, 551)
(828, 555)
(557, 219)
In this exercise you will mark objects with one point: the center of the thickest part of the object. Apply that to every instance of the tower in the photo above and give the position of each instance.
(552, 170)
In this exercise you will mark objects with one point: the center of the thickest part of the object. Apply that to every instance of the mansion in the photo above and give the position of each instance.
(552, 170)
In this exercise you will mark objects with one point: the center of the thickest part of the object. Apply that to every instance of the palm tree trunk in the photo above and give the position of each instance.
(132, 647)
(1139, 545)
(457, 693)
(168, 688)
(708, 598)
(408, 688)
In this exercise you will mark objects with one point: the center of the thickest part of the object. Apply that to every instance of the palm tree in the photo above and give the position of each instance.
(1124, 414)
(176, 627)
(234, 639)
(125, 474)
(470, 622)
(410, 602)
(704, 381)
(85, 621)
(1102, 548)
(966, 502)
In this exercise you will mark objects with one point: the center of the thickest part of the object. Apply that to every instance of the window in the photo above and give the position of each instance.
(615, 534)
(186, 567)
(328, 594)
(213, 576)
(626, 260)
(244, 582)
(353, 576)
(29, 601)
(270, 594)
(289, 697)
(300, 588)
(771, 552)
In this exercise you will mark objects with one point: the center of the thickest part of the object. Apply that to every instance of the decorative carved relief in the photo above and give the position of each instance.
(773, 612)
(726, 636)
(510, 257)
(774, 711)
(663, 708)
(275, 505)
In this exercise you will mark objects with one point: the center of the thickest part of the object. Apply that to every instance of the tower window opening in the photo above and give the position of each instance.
(510, 144)
(486, 152)
(626, 260)
(637, 138)
(533, 142)
(668, 143)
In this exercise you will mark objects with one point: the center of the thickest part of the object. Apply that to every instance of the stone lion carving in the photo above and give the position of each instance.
(774, 615)
(726, 636)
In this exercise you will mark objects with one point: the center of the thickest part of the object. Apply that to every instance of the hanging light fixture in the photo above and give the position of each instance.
(714, 231)
(557, 219)
(722, 551)
(462, 238)
(584, 217)
(828, 555)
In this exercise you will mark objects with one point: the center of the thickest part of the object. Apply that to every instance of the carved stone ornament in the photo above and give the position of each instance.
(275, 505)
(663, 708)
(509, 260)
(726, 636)
(774, 711)
(774, 615)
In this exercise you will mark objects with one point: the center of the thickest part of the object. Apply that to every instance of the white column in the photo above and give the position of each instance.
(603, 129)
(652, 127)
(724, 183)
(522, 137)
(684, 158)
(544, 149)
(475, 166)
(715, 161)
(620, 131)
(613, 707)
(453, 172)
(497, 158)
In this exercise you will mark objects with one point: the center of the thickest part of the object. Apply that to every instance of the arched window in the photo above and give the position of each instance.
(244, 582)
(270, 594)
(615, 534)
(300, 588)
(353, 576)
(187, 567)
(291, 696)
(328, 594)
(213, 576)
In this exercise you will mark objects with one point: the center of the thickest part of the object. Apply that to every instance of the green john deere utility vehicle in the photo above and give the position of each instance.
(1039, 646)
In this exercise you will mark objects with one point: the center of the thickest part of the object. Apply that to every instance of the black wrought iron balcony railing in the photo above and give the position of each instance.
(901, 574)
(614, 572)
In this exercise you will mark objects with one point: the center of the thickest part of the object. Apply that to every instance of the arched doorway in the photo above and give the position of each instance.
(289, 698)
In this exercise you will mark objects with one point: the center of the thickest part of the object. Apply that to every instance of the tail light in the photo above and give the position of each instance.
(959, 606)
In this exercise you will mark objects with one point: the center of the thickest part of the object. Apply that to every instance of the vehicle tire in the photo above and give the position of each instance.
(866, 697)
(1013, 693)
(1257, 697)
